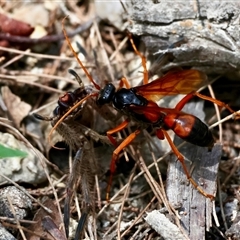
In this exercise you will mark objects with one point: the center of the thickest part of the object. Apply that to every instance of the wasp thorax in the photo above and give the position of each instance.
(106, 94)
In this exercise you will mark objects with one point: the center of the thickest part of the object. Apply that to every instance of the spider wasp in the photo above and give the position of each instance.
(139, 104)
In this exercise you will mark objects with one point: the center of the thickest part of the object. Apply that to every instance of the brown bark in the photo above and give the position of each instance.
(210, 28)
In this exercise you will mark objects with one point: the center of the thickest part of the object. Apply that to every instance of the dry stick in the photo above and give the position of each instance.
(20, 74)
(156, 166)
(15, 217)
(77, 204)
(51, 77)
(48, 89)
(119, 47)
(215, 215)
(109, 229)
(2, 59)
(36, 55)
(126, 193)
(124, 8)
(60, 180)
(16, 58)
(138, 217)
(141, 195)
(217, 112)
(230, 116)
(137, 232)
(90, 230)
(104, 51)
(16, 79)
(20, 220)
(118, 55)
(151, 236)
(98, 191)
(150, 139)
(221, 233)
(221, 207)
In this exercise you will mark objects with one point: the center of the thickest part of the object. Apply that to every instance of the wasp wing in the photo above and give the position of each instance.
(172, 83)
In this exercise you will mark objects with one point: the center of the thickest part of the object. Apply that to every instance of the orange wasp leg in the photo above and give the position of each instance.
(124, 81)
(189, 96)
(116, 152)
(115, 130)
(219, 103)
(145, 71)
(181, 159)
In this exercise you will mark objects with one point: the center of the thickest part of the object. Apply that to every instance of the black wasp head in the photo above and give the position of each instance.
(106, 94)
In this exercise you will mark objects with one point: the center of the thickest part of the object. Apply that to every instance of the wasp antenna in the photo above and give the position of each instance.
(81, 49)
(77, 77)
(143, 58)
(76, 56)
(43, 118)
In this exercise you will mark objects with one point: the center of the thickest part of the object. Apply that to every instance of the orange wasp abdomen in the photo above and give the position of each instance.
(190, 128)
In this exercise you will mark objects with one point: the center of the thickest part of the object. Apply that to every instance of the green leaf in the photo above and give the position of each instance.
(9, 152)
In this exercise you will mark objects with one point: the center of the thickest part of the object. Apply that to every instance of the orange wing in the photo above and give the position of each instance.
(172, 83)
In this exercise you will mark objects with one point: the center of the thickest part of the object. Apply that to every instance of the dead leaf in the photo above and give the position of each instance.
(14, 27)
(50, 226)
(45, 221)
(17, 109)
